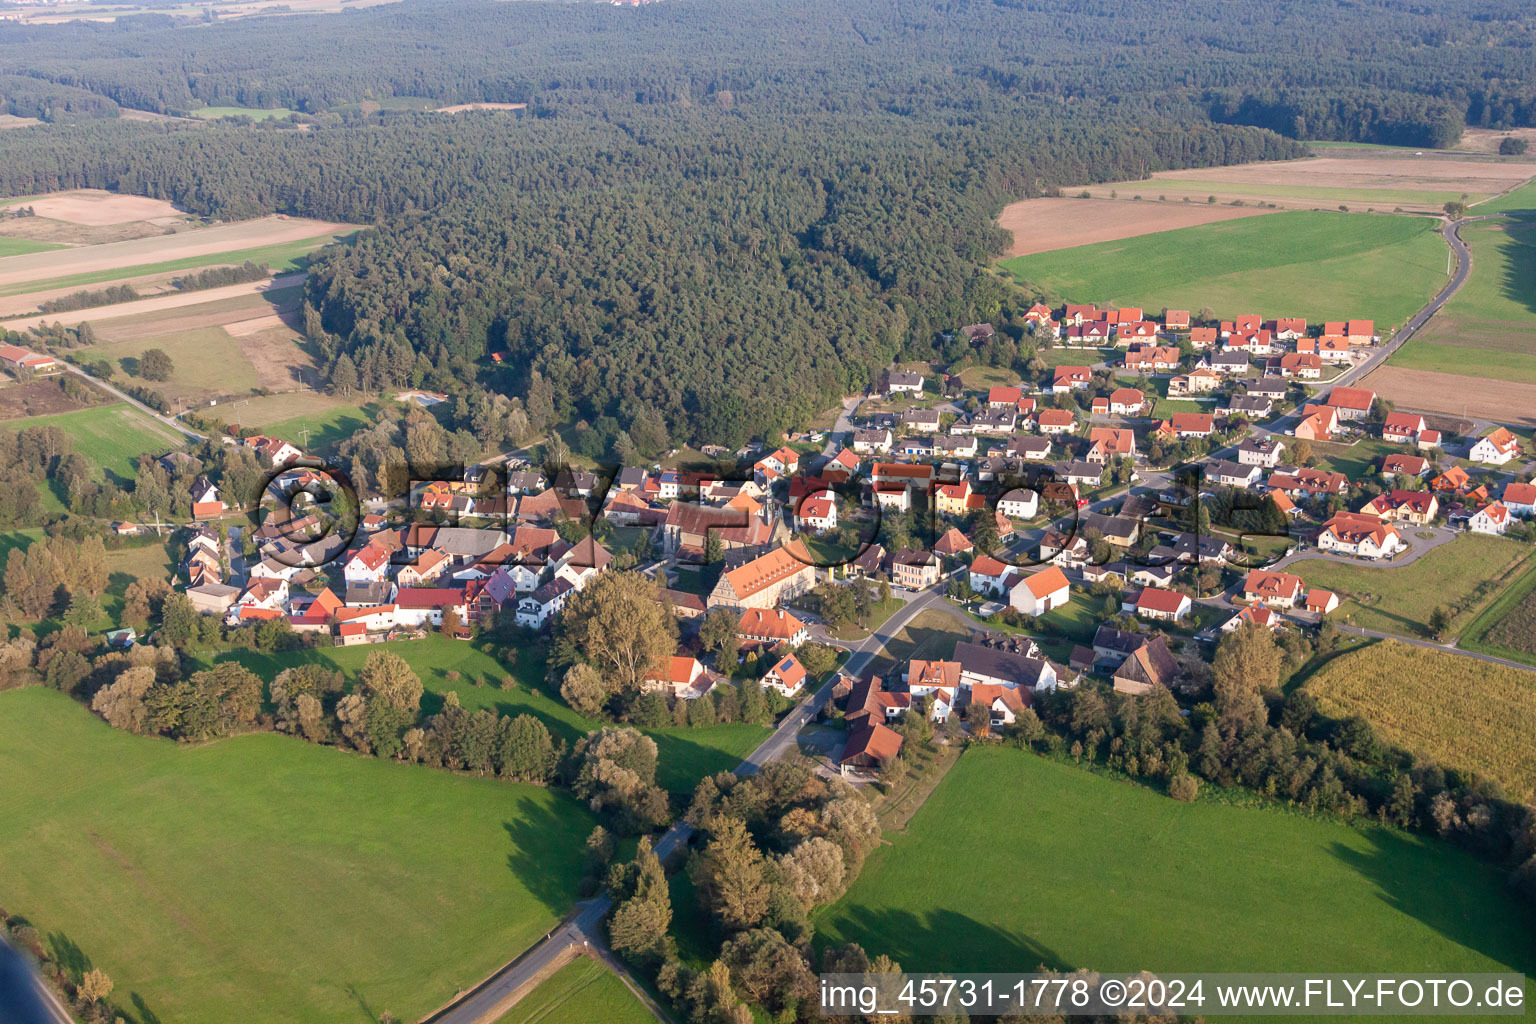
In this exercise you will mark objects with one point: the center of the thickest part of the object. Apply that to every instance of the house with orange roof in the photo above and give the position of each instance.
(679, 676)
(1070, 378)
(1288, 328)
(1002, 398)
(1404, 465)
(1520, 498)
(1417, 507)
(1305, 365)
(952, 499)
(1188, 424)
(1176, 319)
(987, 574)
(871, 746)
(1453, 479)
(1105, 443)
(1276, 589)
(1153, 358)
(1491, 519)
(1195, 382)
(816, 513)
(1352, 403)
(18, 358)
(1161, 605)
(787, 676)
(1202, 337)
(952, 544)
(1055, 421)
(1402, 427)
(1126, 402)
(1495, 448)
(1040, 592)
(1321, 602)
(1318, 423)
(1351, 533)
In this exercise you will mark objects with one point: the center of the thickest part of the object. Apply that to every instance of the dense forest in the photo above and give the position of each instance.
(801, 191)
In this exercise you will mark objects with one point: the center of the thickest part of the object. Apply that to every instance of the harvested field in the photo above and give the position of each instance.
(1364, 177)
(1487, 398)
(206, 363)
(168, 301)
(1486, 140)
(12, 121)
(224, 238)
(1041, 225)
(96, 207)
(459, 108)
(279, 357)
(246, 328)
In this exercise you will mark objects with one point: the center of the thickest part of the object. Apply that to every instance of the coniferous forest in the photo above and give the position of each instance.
(727, 212)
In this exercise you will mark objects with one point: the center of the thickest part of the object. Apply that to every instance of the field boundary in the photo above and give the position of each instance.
(1474, 637)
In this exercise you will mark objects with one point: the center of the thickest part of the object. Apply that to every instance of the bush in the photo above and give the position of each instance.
(1184, 787)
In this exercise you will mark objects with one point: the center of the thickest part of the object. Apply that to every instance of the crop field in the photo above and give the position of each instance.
(206, 361)
(1447, 392)
(1136, 881)
(111, 437)
(1458, 711)
(1042, 225)
(1462, 576)
(23, 246)
(581, 992)
(1316, 265)
(265, 878)
(277, 241)
(685, 755)
(89, 216)
(1507, 627)
(1383, 179)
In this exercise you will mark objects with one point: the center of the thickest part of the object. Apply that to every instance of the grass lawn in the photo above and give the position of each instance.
(1357, 460)
(1457, 711)
(1110, 876)
(254, 113)
(1316, 265)
(1461, 575)
(23, 246)
(932, 635)
(581, 992)
(279, 257)
(329, 425)
(980, 378)
(1489, 327)
(111, 437)
(1060, 629)
(685, 755)
(265, 878)
(204, 361)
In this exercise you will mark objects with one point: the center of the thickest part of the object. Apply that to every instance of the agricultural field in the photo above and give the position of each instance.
(111, 437)
(89, 216)
(1449, 393)
(1361, 178)
(277, 241)
(22, 246)
(1044, 225)
(1112, 876)
(39, 397)
(685, 755)
(1507, 627)
(1458, 711)
(1488, 328)
(265, 878)
(1316, 265)
(1461, 576)
(254, 113)
(581, 992)
(205, 361)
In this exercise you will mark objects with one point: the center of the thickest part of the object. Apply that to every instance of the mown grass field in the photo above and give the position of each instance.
(1297, 263)
(254, 113)
(205, 361)
(1488, 329)
(1017, 861)
(111, 437)
(23, 246)
(1462, 575)
(263, 878)
(685, 755)
(1458, 711)
(329, 420)
(581, 992)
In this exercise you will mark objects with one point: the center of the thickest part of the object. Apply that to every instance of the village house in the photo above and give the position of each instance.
(904, 382)
(1105, 443)
(921, 420)
(1188, 424)
(1176, 319)
(1019, 503)
(1126, 402)
(769, 627)
(680, 676)
(1004, 397)
(1254, 614)
(816, 513)
(1276, 589)
(1040, 592)
(1193, 383)
(780, 575)
(1353, 404)
(1318, 423)
(1404, 465)
(1070, 378)
(786, 676)
(1495, 448)
(687, 528)
(1161, 605)
(1321, 602)
(1137, 331)
(1350, 533)
(871, 441)
(914, 569)
(1402, 427)
(1305, 365)
(1287, 328)
(1152, 359)
(1202, 337)
(206, 503)
(1309, 481)
(1015, 664)
(871, 746)
(1055, 421)
(539, 608)
(1229, 363)
(428, 605)
(1147, 666)
(1417, 507)
(1520, 498)
(1491, 519)
(1253, 407)
(1090, 335)
(987, 575)
(1234, 474)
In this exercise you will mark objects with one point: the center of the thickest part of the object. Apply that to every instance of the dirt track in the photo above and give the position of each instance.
(249, 234)
(1482, 398)
(173, 300)
(1042, 225)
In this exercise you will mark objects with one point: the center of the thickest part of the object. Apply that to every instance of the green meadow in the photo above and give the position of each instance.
(685, 755)
(1017, 861)
(111, 437)
(581, 992)
(254, 113)
(23, 246)
(1301, 263)
(263, 878)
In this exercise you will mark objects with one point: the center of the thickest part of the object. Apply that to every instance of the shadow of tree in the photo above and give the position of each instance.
(546, 850)
(69, 956)
(1448, 889)
(967, 944)
(1519, 243)
(141, 1009)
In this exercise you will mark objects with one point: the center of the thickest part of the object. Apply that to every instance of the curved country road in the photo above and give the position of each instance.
(492, 998)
